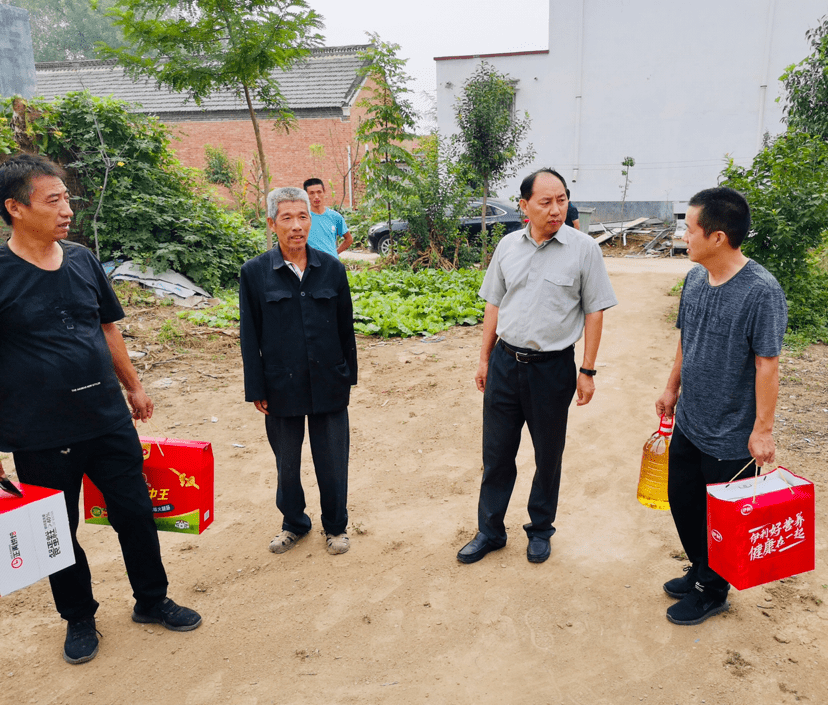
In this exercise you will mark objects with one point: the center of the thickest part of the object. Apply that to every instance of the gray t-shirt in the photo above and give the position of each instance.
(543, 292)
(723, 329)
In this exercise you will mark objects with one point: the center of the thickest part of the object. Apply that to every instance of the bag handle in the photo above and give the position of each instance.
(758, 468)
(756, 477)
(154, 432)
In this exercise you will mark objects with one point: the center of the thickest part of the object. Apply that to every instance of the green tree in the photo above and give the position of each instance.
(388, 124)
(628, 163)
(787, 189)
(490, 134)
(439, 194)
(203, 46)
(806, 86)
(129, 190)
(64, 30)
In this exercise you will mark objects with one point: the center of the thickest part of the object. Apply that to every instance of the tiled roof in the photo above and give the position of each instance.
(326, 81)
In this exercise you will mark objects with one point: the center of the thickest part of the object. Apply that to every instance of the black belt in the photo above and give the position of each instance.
(533, 356)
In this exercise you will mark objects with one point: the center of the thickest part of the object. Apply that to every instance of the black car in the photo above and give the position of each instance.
(496, 212)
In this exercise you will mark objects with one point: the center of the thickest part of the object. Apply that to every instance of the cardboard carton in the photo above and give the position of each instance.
(179, 477)
(34, 537)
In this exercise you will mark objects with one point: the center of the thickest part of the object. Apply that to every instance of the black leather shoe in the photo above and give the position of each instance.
(475, 549)
(538, 549)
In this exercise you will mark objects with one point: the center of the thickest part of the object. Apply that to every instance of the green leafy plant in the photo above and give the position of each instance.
(388, 124)
(787, 189)
(806, 86)
(392, 302)
(439, 195)
(219, 169)
(170, 331)
(68, 30)
(223, 315)
(404, 303)
(490, 134)
(154, 211)
(203, 46)
(628, 163)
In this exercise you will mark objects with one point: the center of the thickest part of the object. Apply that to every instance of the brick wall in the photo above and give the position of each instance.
(290, 157)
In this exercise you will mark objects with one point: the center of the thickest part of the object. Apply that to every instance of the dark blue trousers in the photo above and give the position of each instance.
(330, 446)
(114, 462)
(538, 394)
(690, 471)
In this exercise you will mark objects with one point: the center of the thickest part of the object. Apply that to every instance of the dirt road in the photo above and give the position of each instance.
(397, 620)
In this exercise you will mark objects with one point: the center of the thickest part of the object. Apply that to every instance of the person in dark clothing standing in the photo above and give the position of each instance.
(573, 217)
(732, 318)
(62, 413)
(299, 354)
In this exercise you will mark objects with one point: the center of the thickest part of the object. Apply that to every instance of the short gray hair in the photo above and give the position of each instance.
(283, 195)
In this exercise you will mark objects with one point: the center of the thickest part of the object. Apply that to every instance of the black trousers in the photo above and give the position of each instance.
(330, 446)
(538, 394)
(690, 471)
(114, 462)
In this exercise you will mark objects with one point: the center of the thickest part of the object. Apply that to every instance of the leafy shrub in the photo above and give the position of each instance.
(438, 196)
(153, 211)
(219, 169)
(787, 189)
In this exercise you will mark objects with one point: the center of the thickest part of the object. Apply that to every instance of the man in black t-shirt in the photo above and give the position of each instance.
(572, 214)
(62, 413)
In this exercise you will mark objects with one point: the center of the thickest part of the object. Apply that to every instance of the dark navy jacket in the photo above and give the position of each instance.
(297, 337)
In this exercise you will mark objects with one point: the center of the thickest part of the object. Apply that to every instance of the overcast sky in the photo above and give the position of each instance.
(428, 28)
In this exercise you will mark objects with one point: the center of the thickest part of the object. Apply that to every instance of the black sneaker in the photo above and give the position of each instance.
(170, 615)
(81, 643)
(679, 587)
(699, 604)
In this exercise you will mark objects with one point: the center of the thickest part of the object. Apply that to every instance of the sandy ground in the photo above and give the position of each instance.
(397, 619)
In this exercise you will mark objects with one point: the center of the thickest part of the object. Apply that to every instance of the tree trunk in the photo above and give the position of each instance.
(262, 159)
(388, 206)
(483, 234)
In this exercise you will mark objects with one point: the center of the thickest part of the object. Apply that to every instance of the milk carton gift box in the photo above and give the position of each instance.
(179, 477)
(34, 537)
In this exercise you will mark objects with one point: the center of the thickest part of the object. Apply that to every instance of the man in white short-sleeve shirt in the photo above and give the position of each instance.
(546, 286)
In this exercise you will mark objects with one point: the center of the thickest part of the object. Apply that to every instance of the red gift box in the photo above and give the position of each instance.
(761, 529)
(179, 477)
(34, 537)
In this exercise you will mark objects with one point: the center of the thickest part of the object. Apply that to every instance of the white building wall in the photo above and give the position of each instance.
(674, 85)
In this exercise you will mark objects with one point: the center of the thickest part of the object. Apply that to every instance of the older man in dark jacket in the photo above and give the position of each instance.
(299, 352)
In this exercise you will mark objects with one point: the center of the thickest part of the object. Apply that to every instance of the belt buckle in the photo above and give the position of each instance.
(517, 357)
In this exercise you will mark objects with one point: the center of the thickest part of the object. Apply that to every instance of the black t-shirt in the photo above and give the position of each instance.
(571, 215)
(57, 380)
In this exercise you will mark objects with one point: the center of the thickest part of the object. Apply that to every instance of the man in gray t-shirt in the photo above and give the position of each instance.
(732, 318)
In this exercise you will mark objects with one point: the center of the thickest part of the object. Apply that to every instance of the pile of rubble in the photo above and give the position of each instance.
(658, 238)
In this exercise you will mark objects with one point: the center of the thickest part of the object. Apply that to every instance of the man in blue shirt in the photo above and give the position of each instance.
(327, 226)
